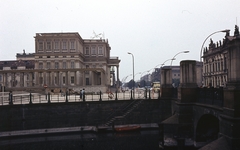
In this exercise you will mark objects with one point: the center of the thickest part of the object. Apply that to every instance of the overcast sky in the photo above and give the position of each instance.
(152, 30)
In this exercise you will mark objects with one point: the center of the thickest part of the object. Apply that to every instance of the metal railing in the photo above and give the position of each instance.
(210, 96)
(34, 98)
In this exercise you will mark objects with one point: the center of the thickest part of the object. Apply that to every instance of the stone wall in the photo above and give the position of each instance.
(56, 115)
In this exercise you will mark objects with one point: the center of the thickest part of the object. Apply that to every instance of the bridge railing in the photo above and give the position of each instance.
(211, 96)
(32, 98)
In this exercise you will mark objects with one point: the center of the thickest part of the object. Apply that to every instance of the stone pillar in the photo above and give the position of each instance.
(36, 74)
(230, 119)
(77, 76)
(68, 81)
(83, 79)
(188, 81)
(93, 78)
(102, 78)
(118, 78)
(166, 82)
(52, 78)
(90, 78)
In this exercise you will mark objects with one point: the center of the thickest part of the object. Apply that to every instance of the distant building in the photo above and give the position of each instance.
(61, 61)
(25, 56)
(155, 76)
(216, 60)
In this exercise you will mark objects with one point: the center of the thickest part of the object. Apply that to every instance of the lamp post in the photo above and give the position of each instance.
(3, 89)
(178, 54)
(125, 78)
(133, 71)
(137, 74)
(166, 61)
(61, 83)
(225, 31)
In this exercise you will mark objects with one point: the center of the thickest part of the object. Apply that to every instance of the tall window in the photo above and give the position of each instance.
(87, 81)
(64, 65)
(40, 46)
(48, 45)
(100, 50)
(72, 65)
(64, 80)
(64, 45)
(41, 80)
(72, 45)
(56, 45)
(40, 65)
(48, 65)
(56, 80)
(0, 77)
(87, 72)
(72, 79)
(87, 51)
(56, 65)
(93, 50)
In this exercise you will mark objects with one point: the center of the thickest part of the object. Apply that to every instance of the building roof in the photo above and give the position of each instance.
(14, 64)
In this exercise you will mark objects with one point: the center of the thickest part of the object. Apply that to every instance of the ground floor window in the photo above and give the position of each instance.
(41, 80)
(72, 79)
(64, 80)
(87, 81)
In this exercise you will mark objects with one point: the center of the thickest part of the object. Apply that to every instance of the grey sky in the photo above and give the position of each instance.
(152, 30)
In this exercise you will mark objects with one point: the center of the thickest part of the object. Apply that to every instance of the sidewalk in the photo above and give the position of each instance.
(68, 130)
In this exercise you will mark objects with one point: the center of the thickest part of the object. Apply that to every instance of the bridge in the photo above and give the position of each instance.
(208, 118)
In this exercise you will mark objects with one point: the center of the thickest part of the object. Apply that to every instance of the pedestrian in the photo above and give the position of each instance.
(83, 95)
(80, 94)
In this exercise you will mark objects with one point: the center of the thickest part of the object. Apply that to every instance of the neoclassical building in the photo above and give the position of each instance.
(62, 61)
(217, 60)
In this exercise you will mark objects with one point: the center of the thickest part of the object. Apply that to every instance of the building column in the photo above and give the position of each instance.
(36, 78)
(44, 78)
(101, 78)
(21, 79)
(80, 78)
(166, 82)
(10, 80)
(24, 79)
(53, 78)
(68, 78)
(118, 82)
(92, 78)
(75, 78)
(83, 78)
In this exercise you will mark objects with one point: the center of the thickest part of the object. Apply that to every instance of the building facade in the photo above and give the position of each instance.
(62, 61)
(216, 60)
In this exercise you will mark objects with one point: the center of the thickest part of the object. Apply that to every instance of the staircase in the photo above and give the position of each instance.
(122, 112)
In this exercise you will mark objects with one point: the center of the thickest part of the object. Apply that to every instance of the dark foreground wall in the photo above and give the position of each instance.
(56, 115)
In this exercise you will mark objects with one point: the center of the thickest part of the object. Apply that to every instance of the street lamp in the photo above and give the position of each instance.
(225, 31)
(166, 61)
(137, 74)
(133, 70)
(124, 79)
(177, 54)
